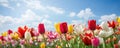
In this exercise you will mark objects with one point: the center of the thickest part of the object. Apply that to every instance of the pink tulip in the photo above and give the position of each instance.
(22, 42)
(95, 41)
(63, 27)
(41, 28)
(52, 35)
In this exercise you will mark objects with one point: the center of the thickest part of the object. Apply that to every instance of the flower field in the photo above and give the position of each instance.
(92, 35)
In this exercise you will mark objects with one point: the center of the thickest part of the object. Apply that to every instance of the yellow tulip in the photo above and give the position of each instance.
(59, 47)
(70, 29)
(57, 27)
(118, 19)
(14, 35)
(42, 45)
(4, 34)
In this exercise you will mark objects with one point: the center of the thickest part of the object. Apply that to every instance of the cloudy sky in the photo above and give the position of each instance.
(15, 13)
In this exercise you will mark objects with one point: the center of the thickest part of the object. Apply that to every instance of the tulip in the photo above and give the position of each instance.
(9, 31)
(58, 47)
(79, 28)
(112, 24)
(100, 40)
(14, 35)
(57, 27)
(92, 24)
(42, 45)
(41, 28)
(70, 29)
(52, 35)
(116, 46)
(118, 19)
(87, 40)
(119, 42)
(104, 33)
(1, 37)
(22, 42)
(95, 41)
(63, 27)
(104, 25)
(32, 32)
(22, 30)
(98, 27)
(27, 35)
(4, 34)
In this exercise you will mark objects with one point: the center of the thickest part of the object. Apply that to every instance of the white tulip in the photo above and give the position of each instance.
(27, 35)
(106, 33)
(79, 28)
(104, 25)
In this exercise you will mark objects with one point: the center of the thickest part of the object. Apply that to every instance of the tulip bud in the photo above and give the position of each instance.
(41, 28)
(95, 41)
(70, 28)
(63, 27)
(27, 35)
(42, 45)
(9, 31)
(92, 24)
(57, 27)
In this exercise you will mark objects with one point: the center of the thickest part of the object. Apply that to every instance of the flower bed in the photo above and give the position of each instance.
(104, 35)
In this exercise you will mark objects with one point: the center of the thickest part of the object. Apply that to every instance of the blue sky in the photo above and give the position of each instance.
(15, 13)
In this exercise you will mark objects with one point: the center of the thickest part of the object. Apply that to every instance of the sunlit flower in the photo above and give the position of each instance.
(106, 31)
(22, 30)
(9, 31)
(70, 29)
(42, 45)
(118, 19)
(41, 28)
(79, 28)
(63, 27)
(27, 35)
(14, 35)
(4, 34)
(52, 35)
(111, 24)
(57, 27)
(92, 24)
(95, 41)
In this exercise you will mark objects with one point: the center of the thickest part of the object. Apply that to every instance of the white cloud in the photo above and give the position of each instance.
(55, 9)
(72, 14)
(18, 4)
(85, 14)
(5, 3)
(78, 22)
(108, 17)
(29, 18)
(34, 4)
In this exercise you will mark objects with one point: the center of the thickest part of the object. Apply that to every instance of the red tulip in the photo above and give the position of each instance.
(92, 24)
(32, 31)
(116, 46)
(98, 27)
(21, 31)
(112, 24)
(10, 31)
(63, 27)
(87, 40)
(41, 28)
(1, 37)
